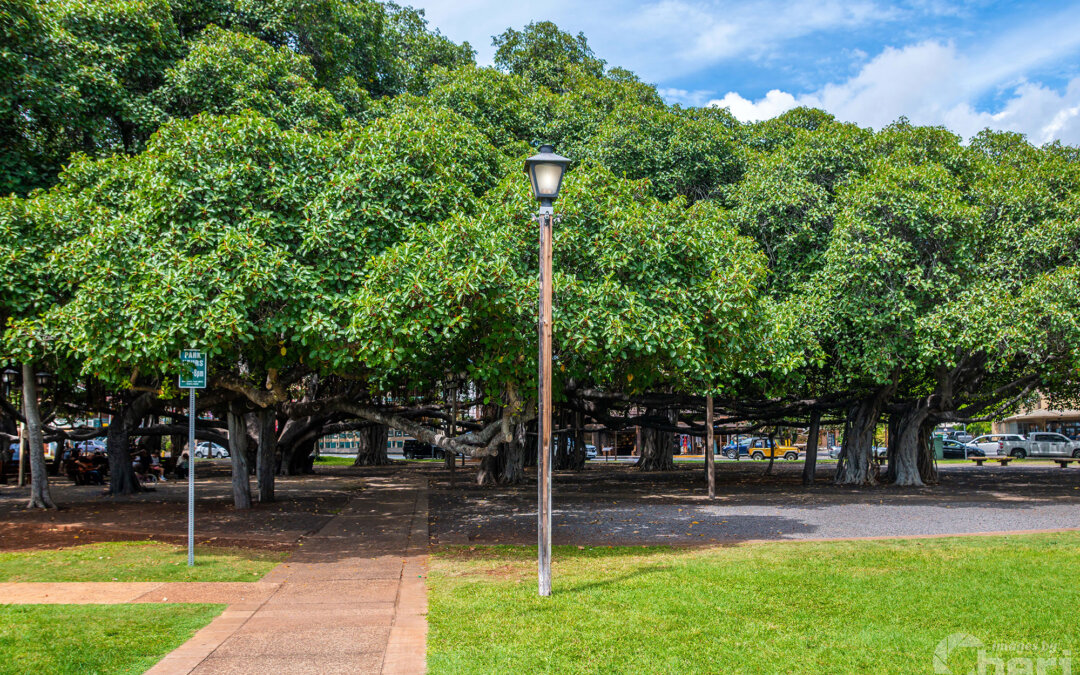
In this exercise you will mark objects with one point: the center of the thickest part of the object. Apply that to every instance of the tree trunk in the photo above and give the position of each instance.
(854, 466)
(450, 459)
(491, 468)
(577, 457)
(531, 445)
(122, 479)
(39, 477)
(772, 453)
(809, 470)
(513, 467)
(176, 446)
(926, 461)
(657, 447)
(372, 447)
(238, 446)
(563, 459)
(904, 467)
(891, 450)
(264, 462)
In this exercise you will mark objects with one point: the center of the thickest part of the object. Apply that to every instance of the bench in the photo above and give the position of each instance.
(1003, 461)
(1063, 463)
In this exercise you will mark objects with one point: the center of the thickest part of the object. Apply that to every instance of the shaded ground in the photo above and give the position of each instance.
(604, 504)
(304, 504)
(617, 505)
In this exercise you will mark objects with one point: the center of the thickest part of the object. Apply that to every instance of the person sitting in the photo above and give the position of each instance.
(87, 473)
(140, 468)
(182, 465)
(156, 470)
(100, 462)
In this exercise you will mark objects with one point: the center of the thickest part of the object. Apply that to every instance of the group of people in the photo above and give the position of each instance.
(147, 466)
(85, 467)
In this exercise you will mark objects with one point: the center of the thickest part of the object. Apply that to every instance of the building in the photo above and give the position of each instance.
(1041, 418)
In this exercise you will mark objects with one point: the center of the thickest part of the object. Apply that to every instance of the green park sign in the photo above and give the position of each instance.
(194, 363)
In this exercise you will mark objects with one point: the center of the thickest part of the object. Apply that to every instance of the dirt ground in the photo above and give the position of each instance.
(303, 504)
(604, 504)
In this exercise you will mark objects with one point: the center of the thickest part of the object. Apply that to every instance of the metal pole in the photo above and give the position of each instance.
(544, 428)
(191, 480)
(710, 460)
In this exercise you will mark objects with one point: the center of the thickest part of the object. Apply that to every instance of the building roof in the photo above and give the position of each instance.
(1043, 414)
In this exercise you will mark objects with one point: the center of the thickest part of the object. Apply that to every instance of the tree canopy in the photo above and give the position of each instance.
(328, 198)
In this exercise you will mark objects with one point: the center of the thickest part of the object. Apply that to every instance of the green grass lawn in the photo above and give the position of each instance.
(837, 607)
(334, 460)
(136, 561)
(83, 639)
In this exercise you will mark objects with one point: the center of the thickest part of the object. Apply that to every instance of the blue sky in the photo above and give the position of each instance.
(966, 64)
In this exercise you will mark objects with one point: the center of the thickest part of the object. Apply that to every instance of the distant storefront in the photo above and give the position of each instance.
(1041, 418)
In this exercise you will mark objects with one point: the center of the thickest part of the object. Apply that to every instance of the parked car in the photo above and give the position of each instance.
(834, 451)
(413, 449)
(743, 448)
(880, 451)
(205, 449)
(960, 436)
(994, 444)
(1042, 444)
(590, 452)
(956, 450)
(91, 446)
(761, 448)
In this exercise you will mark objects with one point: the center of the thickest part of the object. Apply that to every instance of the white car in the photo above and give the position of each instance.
(212, 450)
(994, 444)
(590, 452)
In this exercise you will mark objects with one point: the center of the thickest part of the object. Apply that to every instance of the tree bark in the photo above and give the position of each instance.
(264, 462)
(854, 466)
(513, 469)
(577, 456)
(772, 452)
(809, 471)
(563, 459)
(904, 467)
(891, 450)
(122, 479)
(927, 463)
(491, 467)
(39, 477)
(450, 458)
(238, 447)
(657, 447)
(372, 448)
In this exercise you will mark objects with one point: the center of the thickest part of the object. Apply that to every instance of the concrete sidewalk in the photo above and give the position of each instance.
(350, 600)
(120, 592)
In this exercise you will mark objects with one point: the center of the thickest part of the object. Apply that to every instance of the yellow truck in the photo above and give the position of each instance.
(761, 448)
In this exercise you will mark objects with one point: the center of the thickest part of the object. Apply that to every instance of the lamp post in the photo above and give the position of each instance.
(545, 172)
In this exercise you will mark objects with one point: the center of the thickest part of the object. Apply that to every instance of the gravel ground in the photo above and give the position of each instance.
(628, 508)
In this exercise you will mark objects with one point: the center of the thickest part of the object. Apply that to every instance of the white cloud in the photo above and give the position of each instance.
(658, 39)
(774, 103)
(686, 97)
(932, 83)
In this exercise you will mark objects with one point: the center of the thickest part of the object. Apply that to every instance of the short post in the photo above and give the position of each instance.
(710, 458)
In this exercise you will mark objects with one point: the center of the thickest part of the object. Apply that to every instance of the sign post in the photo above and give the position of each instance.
(193, 376)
